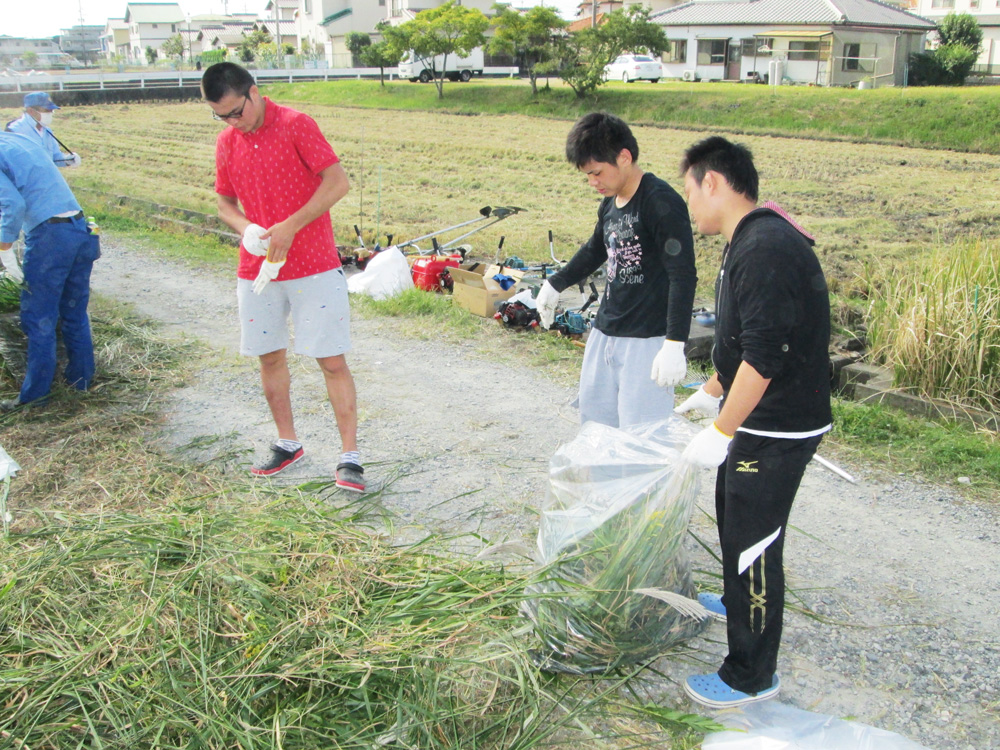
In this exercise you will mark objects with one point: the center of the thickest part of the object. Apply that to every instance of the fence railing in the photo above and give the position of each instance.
(98, 81)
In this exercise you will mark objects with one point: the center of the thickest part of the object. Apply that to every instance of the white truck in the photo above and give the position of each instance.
(424, 70)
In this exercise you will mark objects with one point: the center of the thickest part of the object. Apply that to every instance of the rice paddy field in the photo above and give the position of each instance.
(416, 171)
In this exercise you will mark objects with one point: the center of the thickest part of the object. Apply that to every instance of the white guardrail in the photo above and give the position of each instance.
(173, 78)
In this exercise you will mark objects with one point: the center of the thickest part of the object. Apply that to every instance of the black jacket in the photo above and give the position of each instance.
(649, 250)
(773, 311)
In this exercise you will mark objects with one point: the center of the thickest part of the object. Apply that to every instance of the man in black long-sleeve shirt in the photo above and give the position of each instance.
(635, 352)
(772, 334)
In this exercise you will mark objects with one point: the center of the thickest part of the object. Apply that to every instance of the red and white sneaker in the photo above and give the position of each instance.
(351, 477)
(279, 461)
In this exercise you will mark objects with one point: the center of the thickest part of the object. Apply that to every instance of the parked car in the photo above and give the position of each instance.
(630, 68)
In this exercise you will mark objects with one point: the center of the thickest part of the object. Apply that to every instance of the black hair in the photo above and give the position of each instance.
(599, 136)
(224, 78)
(731, 160)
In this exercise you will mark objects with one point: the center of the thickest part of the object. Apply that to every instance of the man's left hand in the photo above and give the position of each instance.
(74, 160)
(281, 236)
(669, 365)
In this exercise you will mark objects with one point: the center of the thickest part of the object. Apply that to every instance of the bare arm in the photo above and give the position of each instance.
(230, 213)
(744, 395)
(333, 187)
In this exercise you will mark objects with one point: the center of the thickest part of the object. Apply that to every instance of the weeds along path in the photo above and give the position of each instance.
(895, 601)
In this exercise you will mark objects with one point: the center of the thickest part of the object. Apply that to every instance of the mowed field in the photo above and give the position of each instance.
(414, 172)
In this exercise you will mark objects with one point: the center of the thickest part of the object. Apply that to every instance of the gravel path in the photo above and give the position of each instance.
(902, 573)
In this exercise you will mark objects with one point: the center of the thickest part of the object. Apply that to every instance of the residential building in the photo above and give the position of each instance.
(34, 52)
(115, 39)
(986, 13)
(819, 42)
(82, 42)
(150, 25)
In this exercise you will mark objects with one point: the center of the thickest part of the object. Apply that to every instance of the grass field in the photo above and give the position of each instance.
(416, 171)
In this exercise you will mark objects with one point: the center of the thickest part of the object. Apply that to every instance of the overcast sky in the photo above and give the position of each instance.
(23, 18)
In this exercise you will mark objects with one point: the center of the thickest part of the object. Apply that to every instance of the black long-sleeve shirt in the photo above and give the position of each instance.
(649, 250)
(772, 311)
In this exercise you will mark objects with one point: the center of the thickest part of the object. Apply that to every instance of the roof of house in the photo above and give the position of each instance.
(282, 4)
(784, 12)
(288, 28)
(585, 23)
(153, 13)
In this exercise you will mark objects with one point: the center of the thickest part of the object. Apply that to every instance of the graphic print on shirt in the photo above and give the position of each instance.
(624, 250)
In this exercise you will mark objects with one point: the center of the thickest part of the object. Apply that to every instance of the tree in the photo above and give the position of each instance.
(255, 43)
(150, 55)
(527, 37)
(449, 29)
(173, 46)
(961, 41)
(356, 41)
(382, 54)
(30, 58)
(962, 29)
(586, 53)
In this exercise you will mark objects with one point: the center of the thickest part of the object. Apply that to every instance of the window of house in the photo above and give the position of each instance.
(676, 52)
(803, 50)
(711, 51)
(851, 54)
(942, 3)
(974, 4)
(759, 46)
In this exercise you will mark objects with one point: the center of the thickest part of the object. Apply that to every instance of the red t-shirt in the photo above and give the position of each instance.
(273, 172)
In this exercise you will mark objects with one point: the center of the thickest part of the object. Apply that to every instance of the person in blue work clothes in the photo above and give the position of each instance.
(635, 351)
(36, 123)
(59, 253)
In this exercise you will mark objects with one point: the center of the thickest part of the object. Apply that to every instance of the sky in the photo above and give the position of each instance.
(22, 18)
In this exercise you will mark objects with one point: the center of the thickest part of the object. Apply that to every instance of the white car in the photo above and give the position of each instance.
(630, 68)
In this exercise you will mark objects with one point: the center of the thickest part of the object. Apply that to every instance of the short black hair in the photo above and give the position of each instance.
(599, 136)
(223, 78)
(731, 160)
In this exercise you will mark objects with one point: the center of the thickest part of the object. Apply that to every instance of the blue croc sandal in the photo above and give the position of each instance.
(713, 603)
(710, 690)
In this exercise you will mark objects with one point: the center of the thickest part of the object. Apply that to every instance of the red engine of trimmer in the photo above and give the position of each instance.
(430, 271)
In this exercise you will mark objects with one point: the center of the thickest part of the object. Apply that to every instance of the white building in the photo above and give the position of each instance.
(115, 39)
(150, 25)
(820, 42)
(986, 13)
(82, 42)
(33, 52)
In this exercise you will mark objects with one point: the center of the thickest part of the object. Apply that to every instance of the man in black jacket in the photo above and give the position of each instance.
(635, 352)
(771, 359)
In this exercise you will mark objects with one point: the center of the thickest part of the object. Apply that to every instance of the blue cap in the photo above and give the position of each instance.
(39, 100)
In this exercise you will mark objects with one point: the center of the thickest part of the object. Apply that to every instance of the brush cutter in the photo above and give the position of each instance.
(486, 212)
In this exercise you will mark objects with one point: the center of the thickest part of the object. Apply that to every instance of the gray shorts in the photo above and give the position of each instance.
(321, 315)
(615, 384)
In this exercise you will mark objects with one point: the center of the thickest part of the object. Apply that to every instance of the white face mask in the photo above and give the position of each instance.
(46, 119)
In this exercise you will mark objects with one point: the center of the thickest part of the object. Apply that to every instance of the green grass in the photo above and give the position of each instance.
(964, 119)
(892, 441)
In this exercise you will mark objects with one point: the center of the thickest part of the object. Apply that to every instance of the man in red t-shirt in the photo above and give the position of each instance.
(277, 178)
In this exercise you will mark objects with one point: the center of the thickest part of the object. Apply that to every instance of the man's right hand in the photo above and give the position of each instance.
(546, 302)
(10, 264)
(252, 241)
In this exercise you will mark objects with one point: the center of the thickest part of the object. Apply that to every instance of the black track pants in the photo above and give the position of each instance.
(754, 491)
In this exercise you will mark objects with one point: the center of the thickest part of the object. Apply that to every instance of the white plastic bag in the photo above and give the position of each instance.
(386, 275)
(616, 586)
(773, 725)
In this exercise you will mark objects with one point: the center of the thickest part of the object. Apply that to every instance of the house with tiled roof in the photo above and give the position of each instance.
(150, 25)
(818, 42)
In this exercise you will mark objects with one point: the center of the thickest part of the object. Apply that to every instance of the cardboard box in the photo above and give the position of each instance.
(476, 291)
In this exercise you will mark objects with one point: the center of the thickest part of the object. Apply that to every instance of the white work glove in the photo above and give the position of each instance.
(252, 241)
(268, 272)
(10, 264)
(669, 366)
(701, 400)
(74, 161)
(546, 302)
(709, 448)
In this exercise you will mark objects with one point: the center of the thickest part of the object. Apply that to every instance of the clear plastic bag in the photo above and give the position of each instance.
(386, 275)
(776, 726)
(616, 585)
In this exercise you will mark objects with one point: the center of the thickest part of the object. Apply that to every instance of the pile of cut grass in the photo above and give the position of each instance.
(282, 625)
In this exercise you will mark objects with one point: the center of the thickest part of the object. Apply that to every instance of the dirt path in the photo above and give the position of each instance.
(905, 572)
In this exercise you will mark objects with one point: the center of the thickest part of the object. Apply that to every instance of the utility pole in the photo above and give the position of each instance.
(277, 30)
